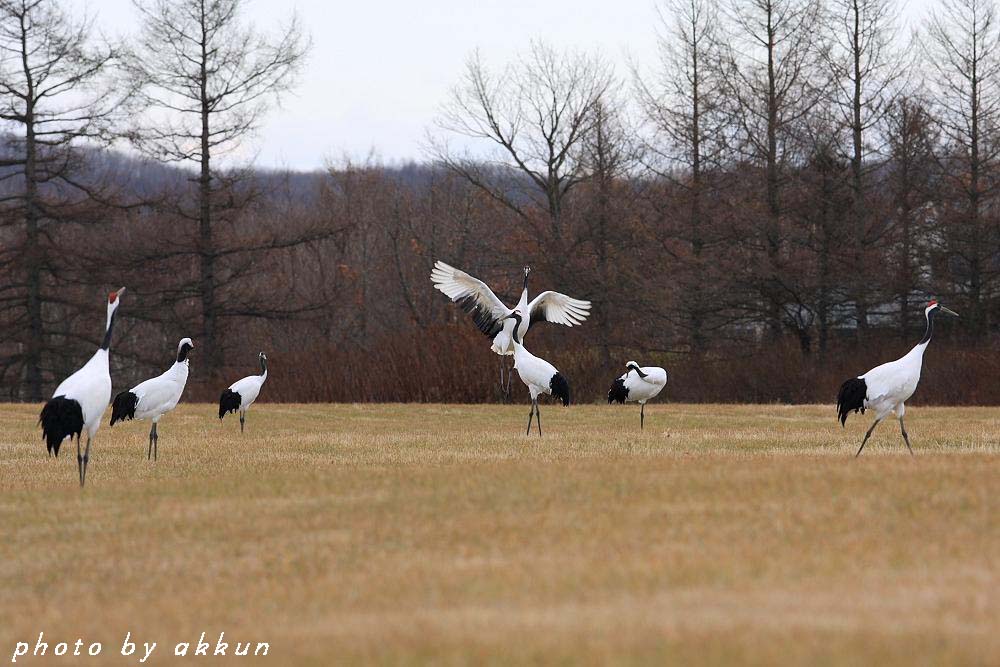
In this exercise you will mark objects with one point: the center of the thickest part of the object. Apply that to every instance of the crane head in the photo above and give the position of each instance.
(183, 347)
(935, 307)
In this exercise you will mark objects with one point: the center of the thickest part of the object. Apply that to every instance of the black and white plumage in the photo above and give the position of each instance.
(538, 375)
(886, 388)
(155, 397)
(493, 318)
(241, 394)
(638, 384)
(79, 402)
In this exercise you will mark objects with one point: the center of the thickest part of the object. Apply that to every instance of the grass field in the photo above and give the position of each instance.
(434, 533)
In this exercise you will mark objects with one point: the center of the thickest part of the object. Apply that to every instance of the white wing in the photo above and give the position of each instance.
(248, 388)
(654, 376)
(472, 295)
(157, 395)
(558, 308)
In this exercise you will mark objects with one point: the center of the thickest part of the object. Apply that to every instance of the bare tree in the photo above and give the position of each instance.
(207, 80)
(54, 95)
(611, 156)
(774, 83)
(684, 104)
(537, 115)
(963, 40)
(869, 67)
(912, 142)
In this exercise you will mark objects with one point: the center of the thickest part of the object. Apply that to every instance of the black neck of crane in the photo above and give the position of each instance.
(930, 326)
(526, 281)
(517, 325)
(106, 343)
(263, 365)
(183, 352)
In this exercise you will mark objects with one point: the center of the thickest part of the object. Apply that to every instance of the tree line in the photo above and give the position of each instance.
(765, 210)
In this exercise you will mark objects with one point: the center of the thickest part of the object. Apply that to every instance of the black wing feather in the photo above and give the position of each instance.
(124, 407)
(618, 392)
(229, 402)
(60, 418)
(851, 398)
(560, 387)
(482, 316)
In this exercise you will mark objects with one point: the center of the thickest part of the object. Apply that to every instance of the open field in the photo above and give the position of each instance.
(419, 533)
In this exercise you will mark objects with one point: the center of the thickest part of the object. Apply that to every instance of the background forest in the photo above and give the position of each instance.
(764, 212)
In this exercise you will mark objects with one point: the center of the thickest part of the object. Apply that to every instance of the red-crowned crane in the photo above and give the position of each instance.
(493, 317)
(886, 388)
(155, 397)
(80, 400)
(242, 393)
(538, 375)
(638, 384)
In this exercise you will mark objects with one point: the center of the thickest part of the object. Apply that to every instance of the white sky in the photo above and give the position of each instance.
(380, 69)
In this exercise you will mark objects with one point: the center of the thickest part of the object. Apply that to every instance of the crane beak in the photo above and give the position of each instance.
(948, 311)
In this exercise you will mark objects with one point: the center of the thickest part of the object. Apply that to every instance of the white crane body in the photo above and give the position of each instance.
(79, 402)
(639, 384)
(155, 397)
(241, 394)
(538, 375)
(886, 388)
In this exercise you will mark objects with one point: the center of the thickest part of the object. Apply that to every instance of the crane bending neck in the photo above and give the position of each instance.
(514, 332)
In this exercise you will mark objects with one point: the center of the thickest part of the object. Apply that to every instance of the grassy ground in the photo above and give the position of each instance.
(410, 534)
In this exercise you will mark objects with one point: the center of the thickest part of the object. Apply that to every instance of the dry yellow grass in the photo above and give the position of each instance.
(432, 533)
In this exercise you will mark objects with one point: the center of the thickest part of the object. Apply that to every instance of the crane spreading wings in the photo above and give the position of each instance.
(472, 295)
(488, 311)
(557, 308)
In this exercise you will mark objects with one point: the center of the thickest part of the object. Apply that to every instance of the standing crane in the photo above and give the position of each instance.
(538, 375)
(242, 393)
(493, 318)
(79, 402)
(886, 388)
(638, 384)
(155, 397)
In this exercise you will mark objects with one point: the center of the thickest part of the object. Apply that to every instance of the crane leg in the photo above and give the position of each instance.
(156, 441)
(642, 416)
(81, 461)
(538, 418)
(243, 420)
(906, 438)
(531, 413)
(867, 435)
(149, 452)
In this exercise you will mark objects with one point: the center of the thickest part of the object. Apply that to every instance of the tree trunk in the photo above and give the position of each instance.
(33, 258)
(773, 240)
(206, 245)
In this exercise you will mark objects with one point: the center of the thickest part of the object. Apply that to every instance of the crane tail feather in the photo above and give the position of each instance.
(560, 388)
(60, 418)
(229, 402)
(618, 392)
(124, 407)
(851, 398)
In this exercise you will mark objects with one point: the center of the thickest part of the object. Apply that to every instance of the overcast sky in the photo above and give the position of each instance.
(380, 69)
